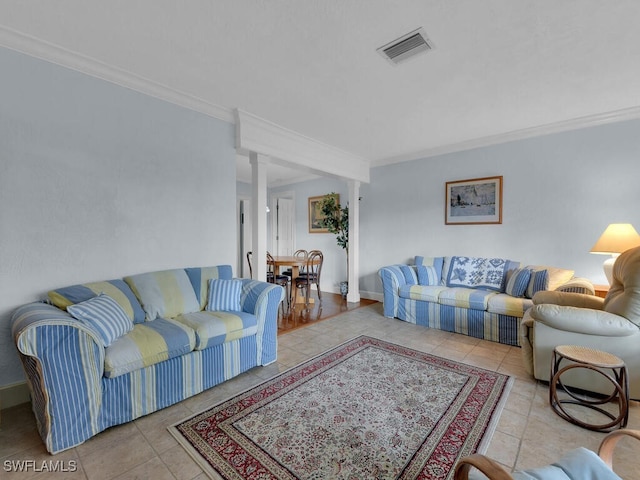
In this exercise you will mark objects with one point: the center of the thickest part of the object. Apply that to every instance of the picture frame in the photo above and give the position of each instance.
(474, 202)
(315, 213)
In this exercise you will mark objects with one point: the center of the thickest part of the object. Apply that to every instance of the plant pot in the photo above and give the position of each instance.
(344, 289)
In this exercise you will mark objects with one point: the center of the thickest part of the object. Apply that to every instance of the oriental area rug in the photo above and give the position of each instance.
(367, 409)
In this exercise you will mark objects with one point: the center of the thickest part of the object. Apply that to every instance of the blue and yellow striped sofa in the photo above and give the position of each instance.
(105, 353)
(480, 297)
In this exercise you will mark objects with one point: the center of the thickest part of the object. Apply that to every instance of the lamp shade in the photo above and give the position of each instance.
(617, 238)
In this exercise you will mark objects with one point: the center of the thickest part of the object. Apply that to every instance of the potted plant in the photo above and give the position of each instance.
(335, 218)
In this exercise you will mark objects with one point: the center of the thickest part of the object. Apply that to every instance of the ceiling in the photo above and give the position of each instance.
(497, 67)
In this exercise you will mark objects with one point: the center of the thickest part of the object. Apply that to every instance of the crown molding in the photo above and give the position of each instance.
(52, 53)
(631, 113)
(284, 146)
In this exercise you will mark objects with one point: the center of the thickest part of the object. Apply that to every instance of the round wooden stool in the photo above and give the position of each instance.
(600, 362)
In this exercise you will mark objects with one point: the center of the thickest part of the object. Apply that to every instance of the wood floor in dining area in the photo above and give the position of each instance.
(332, 304)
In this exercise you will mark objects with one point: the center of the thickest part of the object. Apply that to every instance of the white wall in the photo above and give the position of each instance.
(98, 182)
(334, 269)
(560, 193)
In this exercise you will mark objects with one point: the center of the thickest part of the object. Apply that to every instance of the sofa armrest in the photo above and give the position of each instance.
(568, 299)
(64, 363)
(582, 320)
(392, 279)
(577, 285)
(263, 300)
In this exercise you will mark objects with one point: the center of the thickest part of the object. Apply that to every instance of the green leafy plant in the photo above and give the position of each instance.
(335, 218)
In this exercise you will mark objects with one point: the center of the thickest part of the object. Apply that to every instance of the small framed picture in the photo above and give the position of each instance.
(316, 215)
(474, 201)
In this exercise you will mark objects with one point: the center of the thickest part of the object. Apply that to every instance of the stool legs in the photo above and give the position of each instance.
(619, 381)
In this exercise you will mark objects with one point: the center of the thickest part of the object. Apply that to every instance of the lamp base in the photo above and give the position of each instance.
(607, 266)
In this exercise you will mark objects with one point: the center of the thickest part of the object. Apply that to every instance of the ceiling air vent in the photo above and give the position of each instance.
(406, 46)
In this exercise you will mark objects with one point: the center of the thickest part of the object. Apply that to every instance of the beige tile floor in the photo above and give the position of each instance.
(528, 434)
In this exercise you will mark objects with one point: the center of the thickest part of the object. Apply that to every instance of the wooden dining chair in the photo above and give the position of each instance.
(249, 262)
(302, 254)
(282, 280)
(311, 275)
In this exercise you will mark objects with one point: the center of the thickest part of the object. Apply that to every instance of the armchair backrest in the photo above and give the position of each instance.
(624, 295)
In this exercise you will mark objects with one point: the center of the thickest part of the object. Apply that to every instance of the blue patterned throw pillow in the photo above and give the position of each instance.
(539, 281)
(517, 284)
(105, 315)
(116, 289)
(224, 295)
(435, 262)
(472, 272)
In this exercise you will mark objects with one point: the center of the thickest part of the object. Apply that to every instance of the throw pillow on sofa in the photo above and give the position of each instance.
(224, 295)
(116, 289)
(435, 262)
(473, 272)
(555, 278)
(427, 275)
(409, 273)
(518, 282)
(104, 315)
(165, 294)
(200, 276)
(539, 281)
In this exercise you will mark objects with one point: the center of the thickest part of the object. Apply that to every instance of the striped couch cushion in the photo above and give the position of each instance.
(214, 328)
(116, 289)
(427, 275)
(435, 262)
(409, 273)
(104, 315)
(539, 281)
(507, 305)
(556, 276)
(147, 344)
(429, 293)
(200, 276)
(473, 298)
(165, 294)
(224, 295)
(518, 282)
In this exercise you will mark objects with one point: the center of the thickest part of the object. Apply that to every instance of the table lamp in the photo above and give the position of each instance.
(617, 238)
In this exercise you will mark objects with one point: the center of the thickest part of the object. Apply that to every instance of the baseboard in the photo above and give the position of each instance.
(371, 295)
(363, 294)
(14, 394)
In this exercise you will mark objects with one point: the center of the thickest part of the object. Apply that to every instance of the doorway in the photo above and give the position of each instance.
(283, 224)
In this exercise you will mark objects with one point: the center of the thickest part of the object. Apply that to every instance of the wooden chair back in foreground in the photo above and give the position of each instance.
(576, 464)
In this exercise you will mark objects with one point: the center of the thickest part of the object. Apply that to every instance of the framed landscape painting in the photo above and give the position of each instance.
(315, 214)
(474, 201)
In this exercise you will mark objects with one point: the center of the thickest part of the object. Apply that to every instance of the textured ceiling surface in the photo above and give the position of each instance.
(311, 66)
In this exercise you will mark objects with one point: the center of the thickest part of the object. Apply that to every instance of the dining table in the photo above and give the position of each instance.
(296, 263)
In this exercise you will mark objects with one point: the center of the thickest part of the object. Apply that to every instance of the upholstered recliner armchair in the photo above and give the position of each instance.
(611, 324)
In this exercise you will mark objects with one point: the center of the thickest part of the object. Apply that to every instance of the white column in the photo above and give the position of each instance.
(259, 215)
(354, 241)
